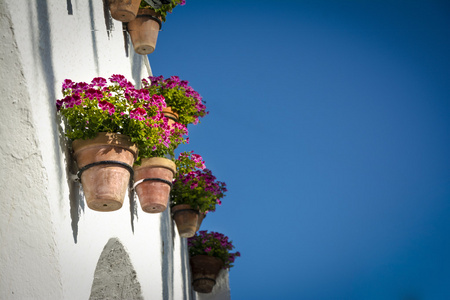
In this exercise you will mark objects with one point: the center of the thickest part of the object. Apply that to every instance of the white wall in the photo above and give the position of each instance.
(50, 242)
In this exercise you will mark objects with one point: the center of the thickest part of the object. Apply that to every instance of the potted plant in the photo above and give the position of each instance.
(124, 10)
(101, 120)
(153, 171)
(195, 192)
(209, 252)
(184, 104)
(144, 28)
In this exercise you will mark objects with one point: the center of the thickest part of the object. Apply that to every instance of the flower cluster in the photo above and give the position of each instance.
(213, 244)
(188, 162)
(99, 106)
(164, 8)
(182, 98)
(195, 185)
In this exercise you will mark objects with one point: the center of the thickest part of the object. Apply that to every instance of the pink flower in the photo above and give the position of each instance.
(99, 81)
(183, 83)
(105, 105)
(138, 114)
(67, 84)
(175, 79)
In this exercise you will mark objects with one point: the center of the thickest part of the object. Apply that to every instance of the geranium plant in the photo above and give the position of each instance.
(164, 8)
(195, 185)
(181, 97)
(213, 244)
(117, 106)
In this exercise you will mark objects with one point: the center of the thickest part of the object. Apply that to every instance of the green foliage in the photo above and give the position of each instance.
(183, 100)
(195, 185)
(164, 9)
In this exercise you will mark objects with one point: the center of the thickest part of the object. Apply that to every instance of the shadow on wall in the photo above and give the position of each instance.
(69, 7)
(136, 67)
(109, 28)
(93, 36)
(185, 270)
(45, 61)
(126, 39)
(133, 206)
(44, 49)
(108, 19)
(167, 238)
(75, 193)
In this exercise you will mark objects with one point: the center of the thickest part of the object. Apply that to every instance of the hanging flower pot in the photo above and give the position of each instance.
(209, 252)
(186, 219)
(144, 30)
(145, 27)
(201, 217)
(124, 10)
(153, 182)
(204, 272)
(170, 114)
(104, 164)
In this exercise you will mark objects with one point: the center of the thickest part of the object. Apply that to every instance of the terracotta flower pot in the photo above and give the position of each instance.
(186, 219)
(201, 217)
(124, 10)
(105, 165)
(144, 31)
(204, 272)
(153, 181)
(170, 114)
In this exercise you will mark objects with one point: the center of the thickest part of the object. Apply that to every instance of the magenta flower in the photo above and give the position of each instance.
(175, 79)
(99, 81)
(182, 98)
(195, 185)
(138, 114)
(67, 84)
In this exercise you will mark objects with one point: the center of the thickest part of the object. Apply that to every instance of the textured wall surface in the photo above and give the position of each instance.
(115, 277)
(51, 245)
(26, 231)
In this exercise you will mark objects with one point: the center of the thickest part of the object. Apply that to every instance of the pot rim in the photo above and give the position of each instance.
(157, 162)
(106, 139)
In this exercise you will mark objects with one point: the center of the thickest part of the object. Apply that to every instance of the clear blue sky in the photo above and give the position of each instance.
(330, 123)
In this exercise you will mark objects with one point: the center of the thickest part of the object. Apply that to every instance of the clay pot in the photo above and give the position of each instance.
(204, 272)
(201, 216)
(124, 10)
(105, 185)
(152, 182)
(144, 31)
(186, 219)
(170, 114)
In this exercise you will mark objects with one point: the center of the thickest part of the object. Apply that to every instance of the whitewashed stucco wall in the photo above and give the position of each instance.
(50, 242)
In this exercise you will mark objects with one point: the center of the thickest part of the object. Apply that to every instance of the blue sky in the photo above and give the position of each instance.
(329, 122)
